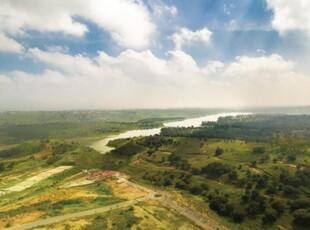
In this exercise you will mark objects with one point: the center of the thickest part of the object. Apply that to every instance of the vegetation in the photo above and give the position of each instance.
(241, 167)
(252, 171)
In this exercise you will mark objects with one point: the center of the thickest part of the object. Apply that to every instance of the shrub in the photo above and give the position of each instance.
(219, 151)
(290, 191)
(269, 217)
(238, 216)
(259, 150)
(215, 169)
(302, 217)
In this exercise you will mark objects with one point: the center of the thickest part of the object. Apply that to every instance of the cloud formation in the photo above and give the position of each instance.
(290, 15)
(186, 36)
(140, 79)
(128, 22)
(97, 54)
(9, 45)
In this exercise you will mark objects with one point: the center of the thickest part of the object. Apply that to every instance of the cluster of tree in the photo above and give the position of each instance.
(167, 178)
(179, 180)
(283, 122)
(252, 205)
(175, 131)
(215, 169)
(61, 148)
(292, 183)
(248, 128)
(301, 212)
(155, 141)
(212, 170)
(148, 123)
(177, 161)
(127, 150)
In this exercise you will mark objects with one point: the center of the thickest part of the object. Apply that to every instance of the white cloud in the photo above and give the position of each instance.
(186, 36)
(290, 15)
(272, 66)
(9, 45)
(162, 9)
(140, 79)
(60, 49)
(77, 64)
(127, 21)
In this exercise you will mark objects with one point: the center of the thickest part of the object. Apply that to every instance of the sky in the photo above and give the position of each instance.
(104, 54)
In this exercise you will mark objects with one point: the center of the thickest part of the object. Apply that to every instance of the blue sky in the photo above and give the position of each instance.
(176, 53)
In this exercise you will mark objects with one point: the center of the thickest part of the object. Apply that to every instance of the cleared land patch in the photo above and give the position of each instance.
(35, 179)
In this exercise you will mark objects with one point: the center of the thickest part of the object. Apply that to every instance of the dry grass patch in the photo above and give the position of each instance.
(20, 219)
(125, 191)
(67, 194)
(152, 215)
(75, 224)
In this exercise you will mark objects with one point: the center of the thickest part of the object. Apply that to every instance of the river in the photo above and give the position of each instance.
(102, 145)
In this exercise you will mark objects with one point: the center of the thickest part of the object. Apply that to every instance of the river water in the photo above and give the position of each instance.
(102, 147)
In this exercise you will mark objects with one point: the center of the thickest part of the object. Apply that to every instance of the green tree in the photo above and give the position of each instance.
(215, 169)
(219, 151)
(269, 217)
(290, 191)
(302, 217)
(259, 150)
(279, 207)
(238, 216)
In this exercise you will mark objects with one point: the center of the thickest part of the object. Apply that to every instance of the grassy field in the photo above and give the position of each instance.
(249, 184)
(155, 170)
(244, 182)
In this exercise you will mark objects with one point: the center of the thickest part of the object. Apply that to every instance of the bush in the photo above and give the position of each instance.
(259, 150)
(290, 191)
(215, 169)
(300, 204)
(196, 190)
(238, 216)
(219, 151)
(269, 217)
(291, 158)
(302, 217)
(279, 207)
(217, 203)
(233, 175)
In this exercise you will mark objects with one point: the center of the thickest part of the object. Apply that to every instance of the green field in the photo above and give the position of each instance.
(249, 172)
(250, 184)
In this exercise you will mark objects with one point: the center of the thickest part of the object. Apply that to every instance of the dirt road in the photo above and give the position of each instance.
(164, 199)
(90, 212)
